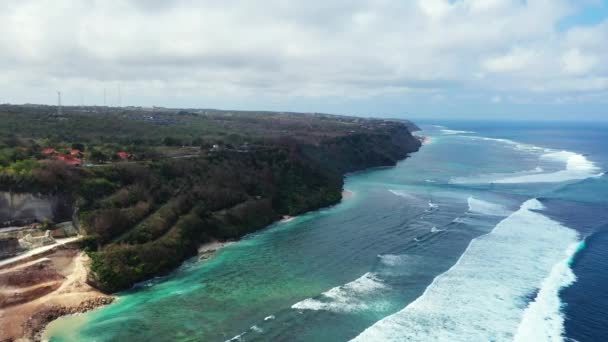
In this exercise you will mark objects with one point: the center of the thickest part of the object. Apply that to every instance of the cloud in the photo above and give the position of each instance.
(187, 52)
(575, 62)
(515, 60)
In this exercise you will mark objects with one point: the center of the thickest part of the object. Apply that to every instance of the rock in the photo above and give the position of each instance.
(34, 326)
(29, 241)
(9, 247)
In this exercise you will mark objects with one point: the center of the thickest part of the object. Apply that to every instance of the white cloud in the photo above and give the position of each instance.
(186, 50)
(575, 62)
(515, 60)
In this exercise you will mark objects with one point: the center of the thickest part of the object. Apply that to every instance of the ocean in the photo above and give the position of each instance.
(493, 231)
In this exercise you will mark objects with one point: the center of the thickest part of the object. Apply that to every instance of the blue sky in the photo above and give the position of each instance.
(533, 59)
(592, 13)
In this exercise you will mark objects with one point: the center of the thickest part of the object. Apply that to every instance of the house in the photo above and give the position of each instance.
(69, 159)
(76, 152)
(124, 155)
(49, 151)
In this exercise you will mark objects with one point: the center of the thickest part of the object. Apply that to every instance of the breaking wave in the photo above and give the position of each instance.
(393, 260)
(483, 297)
(403, 194)
(436, 230)
(454, 132)
(543, 319)
(486, 208)
(578, 167)
(352, 296)
(516, 145)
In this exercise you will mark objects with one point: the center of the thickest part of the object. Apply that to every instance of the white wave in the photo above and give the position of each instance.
(403, 194)
(493, 177)
(514, 144)
(269, 318)
(256, 329)
(237, 337)
(459, 220)
(482, 297)
(453, 132)
(394, 260)
(543, 319)
(350, 297)
(436, 230)
(578, 167)
(486, 208)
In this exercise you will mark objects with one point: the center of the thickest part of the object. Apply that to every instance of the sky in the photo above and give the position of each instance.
(519, 59)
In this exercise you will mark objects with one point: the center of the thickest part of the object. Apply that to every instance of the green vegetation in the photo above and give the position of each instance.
(187, 176)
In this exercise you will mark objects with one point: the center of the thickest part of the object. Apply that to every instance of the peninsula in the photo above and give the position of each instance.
(102, 198)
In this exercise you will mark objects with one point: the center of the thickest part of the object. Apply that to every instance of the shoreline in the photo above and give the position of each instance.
(205, 251)
(209, 249)
(43, 287)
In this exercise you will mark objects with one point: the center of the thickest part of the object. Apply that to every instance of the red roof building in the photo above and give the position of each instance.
(76, 152)
(124, 155)
(49, 151)
(70, 160)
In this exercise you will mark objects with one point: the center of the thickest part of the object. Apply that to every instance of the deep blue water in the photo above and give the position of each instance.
(583, 205)
(493, 231)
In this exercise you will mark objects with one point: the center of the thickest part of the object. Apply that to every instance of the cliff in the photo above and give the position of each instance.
(364, 150)
(25, 208)
(154, 184)
(243, 192)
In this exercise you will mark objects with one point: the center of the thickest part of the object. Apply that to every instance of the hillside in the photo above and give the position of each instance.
(151, 185)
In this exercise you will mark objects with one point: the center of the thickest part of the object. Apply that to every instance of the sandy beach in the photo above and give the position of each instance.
(35, 291)
(347, 194)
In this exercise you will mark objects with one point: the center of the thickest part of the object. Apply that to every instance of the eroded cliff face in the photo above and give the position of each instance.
(357, 152)
(24, 208)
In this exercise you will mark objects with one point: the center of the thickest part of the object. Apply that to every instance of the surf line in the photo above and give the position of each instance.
(487, 286)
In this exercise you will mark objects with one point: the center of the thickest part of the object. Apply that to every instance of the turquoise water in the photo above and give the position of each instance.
(467, 240)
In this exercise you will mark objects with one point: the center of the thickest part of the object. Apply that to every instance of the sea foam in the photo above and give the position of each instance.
(454, 132)
(542, 320)
(477, 206)
(401, 193)
(483, 297)
(352, 296)
(577, 167)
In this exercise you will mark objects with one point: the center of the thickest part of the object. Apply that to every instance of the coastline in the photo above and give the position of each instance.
(42, 288)
(205, 251)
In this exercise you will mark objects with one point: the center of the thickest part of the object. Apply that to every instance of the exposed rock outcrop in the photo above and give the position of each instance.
(30, 242)
(9, 247)
(25, 208)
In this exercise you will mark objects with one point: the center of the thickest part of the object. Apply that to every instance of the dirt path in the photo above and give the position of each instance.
(35, 292)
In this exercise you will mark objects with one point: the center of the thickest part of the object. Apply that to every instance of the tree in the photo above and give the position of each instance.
(98, 156)
(170, 141)
(78, 146)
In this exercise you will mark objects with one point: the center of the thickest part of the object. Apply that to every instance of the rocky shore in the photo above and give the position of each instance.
(42, 288)
(34, 326)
